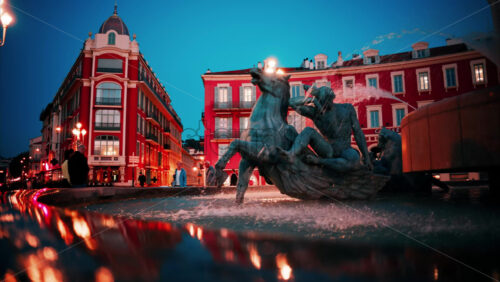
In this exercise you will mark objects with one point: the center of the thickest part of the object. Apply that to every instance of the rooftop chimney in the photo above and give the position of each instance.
(311, 65)
(340, 61)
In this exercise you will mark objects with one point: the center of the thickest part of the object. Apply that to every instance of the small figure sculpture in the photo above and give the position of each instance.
(271, 145)
(391, 164)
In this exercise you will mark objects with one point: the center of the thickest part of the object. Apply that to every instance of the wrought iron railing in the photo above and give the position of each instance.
(223, 105)
(108, 101)
(107, 126)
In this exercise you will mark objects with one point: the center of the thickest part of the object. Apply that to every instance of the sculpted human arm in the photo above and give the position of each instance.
(299, 105)
(360, 138)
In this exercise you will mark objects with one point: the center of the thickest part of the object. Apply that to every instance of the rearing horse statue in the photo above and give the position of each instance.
(269, 135)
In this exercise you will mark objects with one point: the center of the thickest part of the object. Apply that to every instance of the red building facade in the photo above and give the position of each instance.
(383, 89)
(123, 109)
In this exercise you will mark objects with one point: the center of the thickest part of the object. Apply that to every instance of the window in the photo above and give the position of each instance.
(374, 116)
(247, 96)
(222, 97)
(222, 127)
(399, 111)
(106, 145)
(398, 82)
(372, 80)
(321, 65)
(109, 65)
(421, 53)
(111, 38)
(348, 85)
(223, 149)
(297, 121)
(108, 94)
(244, 122)
(107, 120)
(478, 70)
(321, 83)
(450, 75)
(371, 60)
(296, 90)
(423, 79)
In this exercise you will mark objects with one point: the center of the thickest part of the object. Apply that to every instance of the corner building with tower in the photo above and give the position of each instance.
(382, 88)
(124, 112)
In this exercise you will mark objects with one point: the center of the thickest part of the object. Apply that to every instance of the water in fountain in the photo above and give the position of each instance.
(431, 220)
(362, 93)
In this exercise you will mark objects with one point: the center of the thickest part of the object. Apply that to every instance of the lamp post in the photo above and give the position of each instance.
(77, 132)
(6, 19)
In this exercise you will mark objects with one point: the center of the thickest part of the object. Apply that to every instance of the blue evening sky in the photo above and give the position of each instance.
(181, 39)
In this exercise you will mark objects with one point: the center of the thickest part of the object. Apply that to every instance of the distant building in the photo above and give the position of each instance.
(35, 155)
(122, 106)
(382, 88)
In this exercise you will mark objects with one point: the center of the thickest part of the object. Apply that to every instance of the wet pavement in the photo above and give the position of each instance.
(43, 242)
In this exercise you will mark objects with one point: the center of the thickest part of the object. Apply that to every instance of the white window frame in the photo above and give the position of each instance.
(296, 83)
(422, 70)
(241, 122)
(445, 82)
(348, 92)
(474, 62)
(322, 82)
(395, 107)
(369, 76)
(393, 74)
(249, 86)
(219, 149)
(423, 103)
(219, 88)
(374, 108)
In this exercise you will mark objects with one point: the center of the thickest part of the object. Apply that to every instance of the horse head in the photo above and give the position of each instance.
(273, 84)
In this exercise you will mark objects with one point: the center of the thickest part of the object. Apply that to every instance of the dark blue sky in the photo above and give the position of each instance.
(181, 39)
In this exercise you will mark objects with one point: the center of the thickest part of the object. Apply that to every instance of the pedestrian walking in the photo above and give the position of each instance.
(234, 178)
(180, 176)
(78, 168)
(64, 168)
(142, 179)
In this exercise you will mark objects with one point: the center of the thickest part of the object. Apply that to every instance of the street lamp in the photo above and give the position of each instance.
(77, 132)
(6, 19)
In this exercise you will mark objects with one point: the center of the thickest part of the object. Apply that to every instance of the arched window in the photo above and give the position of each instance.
(108, 94)
(107, 120)
(111, 38)
(106, 145)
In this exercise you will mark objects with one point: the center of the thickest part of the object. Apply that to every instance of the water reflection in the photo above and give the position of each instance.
(109, 248)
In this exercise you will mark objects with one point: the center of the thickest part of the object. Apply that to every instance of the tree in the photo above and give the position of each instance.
(19, 164)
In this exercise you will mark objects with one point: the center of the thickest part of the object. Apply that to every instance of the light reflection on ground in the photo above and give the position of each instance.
(181, 241)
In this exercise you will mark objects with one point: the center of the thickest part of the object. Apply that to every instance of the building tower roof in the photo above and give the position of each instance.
(115, 23)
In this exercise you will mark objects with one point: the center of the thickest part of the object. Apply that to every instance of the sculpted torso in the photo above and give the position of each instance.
(336, 127)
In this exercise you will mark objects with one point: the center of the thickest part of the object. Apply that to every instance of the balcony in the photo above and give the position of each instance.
(107, 126)
(108, 101)
(153, 117)
(142, 77)
(223, 105)
(106, 160)
(152, 138)
(247, 104)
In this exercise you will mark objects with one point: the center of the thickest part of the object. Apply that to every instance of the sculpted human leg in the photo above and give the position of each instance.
(309, 136)
(347, 161)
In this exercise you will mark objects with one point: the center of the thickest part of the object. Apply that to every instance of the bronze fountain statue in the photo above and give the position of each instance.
(332, 171)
